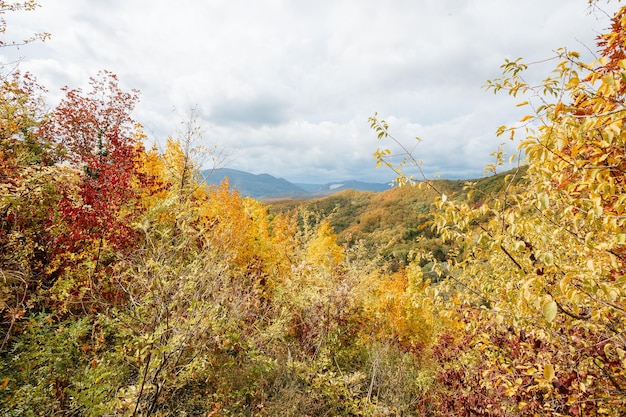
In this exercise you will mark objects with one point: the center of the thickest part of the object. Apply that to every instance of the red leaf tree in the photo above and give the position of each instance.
(98, 138)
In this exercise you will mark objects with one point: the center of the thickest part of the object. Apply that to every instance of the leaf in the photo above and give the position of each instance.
(543, 200)
(548, 372)
(549, 310)
(548, 259)
(558, 108)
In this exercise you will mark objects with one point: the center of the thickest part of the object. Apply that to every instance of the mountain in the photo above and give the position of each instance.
(258, 186)
(268, 187)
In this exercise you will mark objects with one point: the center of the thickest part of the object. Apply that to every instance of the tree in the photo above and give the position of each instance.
(28, 5)
(547, 259)
(101, 145)
(323, 250)
(27, 194)
(25, 169)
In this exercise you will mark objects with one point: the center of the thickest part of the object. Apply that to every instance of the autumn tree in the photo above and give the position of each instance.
(540, 296)
(101, 145)
(6, 7)
(27, 194)
(25, 165)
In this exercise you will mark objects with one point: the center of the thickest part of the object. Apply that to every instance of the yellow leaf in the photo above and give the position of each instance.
(544, 200)
(549, 310)
(558, 108)
(548, 372)
(527, 117)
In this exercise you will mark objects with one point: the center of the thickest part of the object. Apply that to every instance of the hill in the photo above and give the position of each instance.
(389, 224)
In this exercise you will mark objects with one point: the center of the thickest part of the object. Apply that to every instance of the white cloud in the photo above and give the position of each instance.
(289, 85)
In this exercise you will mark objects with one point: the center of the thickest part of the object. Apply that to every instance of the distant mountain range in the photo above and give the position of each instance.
(268, 187)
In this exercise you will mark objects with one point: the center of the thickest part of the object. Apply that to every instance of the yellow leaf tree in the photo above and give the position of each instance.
(541, 294)
(323, 250)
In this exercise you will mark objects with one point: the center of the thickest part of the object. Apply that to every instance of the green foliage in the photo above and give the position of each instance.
(60, 365)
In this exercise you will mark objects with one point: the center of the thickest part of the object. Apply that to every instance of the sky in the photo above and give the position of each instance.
(286, 87)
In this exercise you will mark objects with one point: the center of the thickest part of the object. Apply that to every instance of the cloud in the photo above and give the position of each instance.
(254, 112)
(289, 85)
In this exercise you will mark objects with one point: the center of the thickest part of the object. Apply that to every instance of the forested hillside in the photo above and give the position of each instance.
(127, 287)
(392, 224)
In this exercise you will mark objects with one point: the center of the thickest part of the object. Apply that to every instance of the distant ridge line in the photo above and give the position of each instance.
(268, 187)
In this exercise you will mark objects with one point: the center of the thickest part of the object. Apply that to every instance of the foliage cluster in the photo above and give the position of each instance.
(538, 287)
(392, 224)
(129, 288)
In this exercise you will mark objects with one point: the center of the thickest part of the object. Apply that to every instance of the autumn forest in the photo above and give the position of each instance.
(128, 287)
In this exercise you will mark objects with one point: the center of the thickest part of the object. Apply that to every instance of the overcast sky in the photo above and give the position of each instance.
(287, 86)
